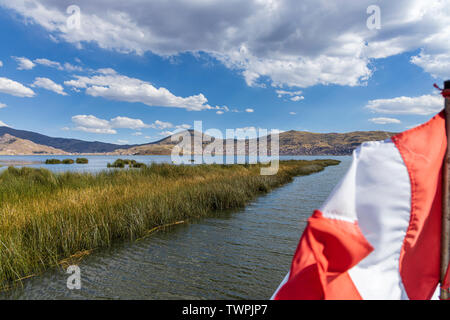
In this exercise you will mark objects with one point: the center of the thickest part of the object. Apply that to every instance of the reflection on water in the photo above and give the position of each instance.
(233, 255)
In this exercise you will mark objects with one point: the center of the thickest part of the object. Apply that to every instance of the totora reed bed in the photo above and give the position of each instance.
(46, 217)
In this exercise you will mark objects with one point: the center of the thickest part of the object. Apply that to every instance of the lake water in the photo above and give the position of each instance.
(98, 163)
(242, 254)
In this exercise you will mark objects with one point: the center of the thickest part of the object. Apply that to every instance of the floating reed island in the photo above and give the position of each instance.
(67, 161)
(46, 217)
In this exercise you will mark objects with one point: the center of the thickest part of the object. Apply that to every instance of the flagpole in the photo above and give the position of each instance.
(445, 227)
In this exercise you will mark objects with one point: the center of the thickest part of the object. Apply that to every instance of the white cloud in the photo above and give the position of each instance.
(249, 110)
(294, 95)
(282, 93)
(114, 86)
(422, 105)
(183, 126)
(48, 84)
(2, 124)
(123, 141)
(161, 125)
(137, 134)
(292, 113)
(15, 88)
(96, 130)
(71, 67)
(49, 63)
(2, 105)
(284, 42)
(107, 71)
(24, 63)
(297, 98)
(55, 64)
(90, 123)
(384, 120)
(219, 112)
(1, 63)
(178, 128)
(437, 65)
(127, 123)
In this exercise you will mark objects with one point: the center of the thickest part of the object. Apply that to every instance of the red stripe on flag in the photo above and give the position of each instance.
(423, 149)
(328, 248)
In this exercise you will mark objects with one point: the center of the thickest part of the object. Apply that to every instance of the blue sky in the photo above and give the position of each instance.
(111, 81)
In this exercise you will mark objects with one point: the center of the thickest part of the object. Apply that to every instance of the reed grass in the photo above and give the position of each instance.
(82, 161)
(52, 161)
(46, 217)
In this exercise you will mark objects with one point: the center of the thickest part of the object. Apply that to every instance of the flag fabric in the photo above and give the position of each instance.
(378, 234)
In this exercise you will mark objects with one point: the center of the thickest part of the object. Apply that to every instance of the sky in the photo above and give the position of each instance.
(132, 72)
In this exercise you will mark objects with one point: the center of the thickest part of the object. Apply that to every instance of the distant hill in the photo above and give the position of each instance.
(160, 147)
(10, 145)
(67, 145)
(291, 143)
(308, 143)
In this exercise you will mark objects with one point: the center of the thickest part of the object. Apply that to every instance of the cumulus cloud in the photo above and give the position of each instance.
(280, 41)
(249, 110)
(111, 85)
(24, 63)
(2, 124)
(127, 123)
(437, 65)
(2, 105)
(161, 125)
(15, 88)
(384, 120)
(92, 124)
(422, 105)
(1, 63)
(48, 84)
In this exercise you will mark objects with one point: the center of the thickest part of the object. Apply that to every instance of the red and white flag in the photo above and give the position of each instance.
(378, 234)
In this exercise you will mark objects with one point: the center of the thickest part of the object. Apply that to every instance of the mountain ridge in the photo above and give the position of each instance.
(290, 142)
(11, 145)
(65, 144)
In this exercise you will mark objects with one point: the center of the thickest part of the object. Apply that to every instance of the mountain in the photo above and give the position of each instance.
(160, 147)
(308, 143)
(10, 145)
(67, 145)
(290, 143)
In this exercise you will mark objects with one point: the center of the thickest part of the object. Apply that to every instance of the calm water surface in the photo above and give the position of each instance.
(234, 255)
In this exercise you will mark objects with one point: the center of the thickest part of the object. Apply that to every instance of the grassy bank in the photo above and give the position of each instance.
(46, 217)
